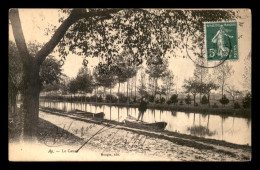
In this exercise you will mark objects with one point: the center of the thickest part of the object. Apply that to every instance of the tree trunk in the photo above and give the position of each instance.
(31, 66)
(30, 93)
(135, 88)
(208, 99)
(222, 90)
(130, 89)
(104, 94)
(223, 82)
(155, 86)
(118, 91)
(194, 99)
(127, 91)
(96, 93)
(12, 94)
(110, 95)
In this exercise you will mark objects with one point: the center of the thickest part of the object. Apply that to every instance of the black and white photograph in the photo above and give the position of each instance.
(129, 84)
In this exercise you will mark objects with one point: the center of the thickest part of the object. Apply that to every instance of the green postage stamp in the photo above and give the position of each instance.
(221, 41)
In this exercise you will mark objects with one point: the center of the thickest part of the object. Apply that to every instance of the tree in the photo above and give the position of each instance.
(156, 68)
(88, 32)
(233, 92)
(73, 86)
(188, 100)
(247, 101)
(84, 81)
(142, 90)
(192, 87)
(247, 72)
(125, 69)
(204, 100)
(161, 91)
(168, 83)
(14, 76)
(223, 72)
(207, 88)
(64, 84)
(105, 77)
(174, 98)
(50, 70)
(200, 73)
(224, 100)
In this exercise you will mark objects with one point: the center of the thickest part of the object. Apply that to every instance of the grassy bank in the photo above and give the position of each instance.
(204, 109)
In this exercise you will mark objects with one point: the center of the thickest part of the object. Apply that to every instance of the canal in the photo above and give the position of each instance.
(227, 128)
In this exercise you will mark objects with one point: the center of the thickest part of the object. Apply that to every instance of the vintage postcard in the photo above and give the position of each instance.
(141, 84)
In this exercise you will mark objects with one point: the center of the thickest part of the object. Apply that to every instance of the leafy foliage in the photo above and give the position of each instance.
(223, 72)
(224, 100)
(168, 82)
(102, 32)
(122, 98)
(193, 87)
(188, 99)
(236, 105)
(50, 71)
(72, 86)
(204, 100)
(247, 101)
(111, 98)
(84, 81)
(174, 98)
(215, 105)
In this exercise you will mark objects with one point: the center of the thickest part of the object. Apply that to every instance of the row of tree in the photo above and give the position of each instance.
(101, 33)
(50, 74)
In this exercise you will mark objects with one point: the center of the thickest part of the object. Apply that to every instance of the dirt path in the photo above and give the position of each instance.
(115, 141)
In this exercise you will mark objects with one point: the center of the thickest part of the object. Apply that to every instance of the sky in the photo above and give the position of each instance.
(36, 21)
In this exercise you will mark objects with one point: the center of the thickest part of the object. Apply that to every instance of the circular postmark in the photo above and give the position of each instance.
(216, 64)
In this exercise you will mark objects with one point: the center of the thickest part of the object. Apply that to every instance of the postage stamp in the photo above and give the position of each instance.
(221, 41)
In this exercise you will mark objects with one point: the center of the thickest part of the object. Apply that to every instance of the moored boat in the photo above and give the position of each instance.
(89, 114)
(134, 123)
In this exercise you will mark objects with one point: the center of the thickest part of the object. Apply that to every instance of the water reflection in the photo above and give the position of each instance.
(201, 131)
(227, 128)
(174, 113)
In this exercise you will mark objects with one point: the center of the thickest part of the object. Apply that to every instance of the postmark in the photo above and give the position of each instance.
(221, 41)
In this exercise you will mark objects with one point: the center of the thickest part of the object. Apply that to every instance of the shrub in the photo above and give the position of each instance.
(162, 100)
(157, 100)
(169, 102)
(188, 99)
(93, 98)
(215, 105)
(151, 98)
(247, 101)
(236, 105)
(196, 104)
(100, 99)
(87, 99)
(204, 100)
(174, 98)
(111, 98)
(224, 100)
(181, 102)
(122, 98)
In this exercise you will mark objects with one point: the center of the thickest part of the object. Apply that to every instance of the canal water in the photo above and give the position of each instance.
(230, 129)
